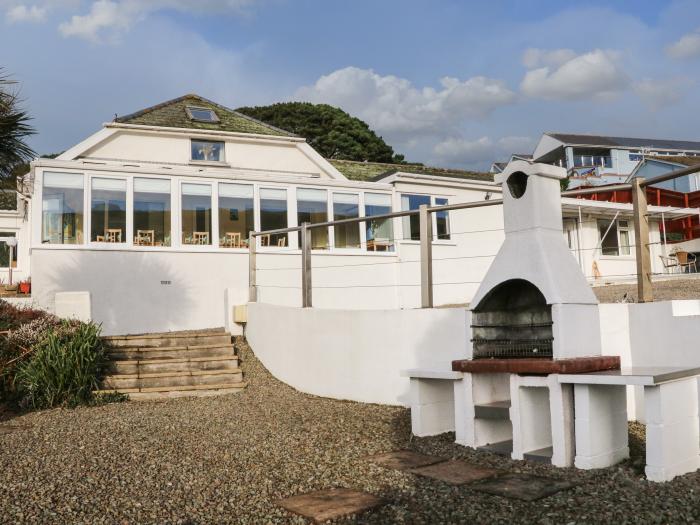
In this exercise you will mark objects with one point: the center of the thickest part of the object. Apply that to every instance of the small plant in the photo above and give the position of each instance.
(64, 367)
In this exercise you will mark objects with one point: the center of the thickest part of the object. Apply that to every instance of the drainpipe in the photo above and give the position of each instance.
(579, 226)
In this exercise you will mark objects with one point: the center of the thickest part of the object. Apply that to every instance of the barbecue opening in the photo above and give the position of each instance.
(513, 321)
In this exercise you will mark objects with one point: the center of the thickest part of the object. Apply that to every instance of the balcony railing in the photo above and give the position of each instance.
(584, 161)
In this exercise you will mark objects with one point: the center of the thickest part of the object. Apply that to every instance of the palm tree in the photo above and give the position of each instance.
(14, 130)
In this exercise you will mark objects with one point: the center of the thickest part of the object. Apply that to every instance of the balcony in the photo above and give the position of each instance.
(592, 161)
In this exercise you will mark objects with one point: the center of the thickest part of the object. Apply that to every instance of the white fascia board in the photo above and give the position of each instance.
(204, 133)
(321, 162)
(89, 143)
(223, 174)
(436, 180)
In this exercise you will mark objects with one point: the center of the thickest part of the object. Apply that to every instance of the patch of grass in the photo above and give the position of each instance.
(106, 398)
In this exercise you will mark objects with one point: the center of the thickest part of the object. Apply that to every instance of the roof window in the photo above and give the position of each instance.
(201, 114)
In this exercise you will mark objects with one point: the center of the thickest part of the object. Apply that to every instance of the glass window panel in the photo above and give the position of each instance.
(411, 224)
(208, 151)
(196, 214)
(62, 208)
(108, 210)
(152, 212)
(273, 216)
(442, 220)
(312, 207)
(5, 251)
(380, 233)
(609, 245)
(346, 206)
(236, 214)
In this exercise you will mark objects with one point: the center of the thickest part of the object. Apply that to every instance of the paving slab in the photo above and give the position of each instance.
(404, 459)
(522, 486)
(8, 428)
(330, 504)
(456, 472)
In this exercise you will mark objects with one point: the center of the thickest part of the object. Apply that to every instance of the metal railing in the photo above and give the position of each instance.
(426, 245)
(640, 218)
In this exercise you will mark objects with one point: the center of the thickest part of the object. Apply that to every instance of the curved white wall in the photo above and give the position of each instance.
(355, 354)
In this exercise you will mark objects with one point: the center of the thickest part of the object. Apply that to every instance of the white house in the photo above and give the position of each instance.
(151, 216)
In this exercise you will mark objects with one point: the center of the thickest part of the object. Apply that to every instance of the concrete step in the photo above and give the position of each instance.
(129, 353)
(542, 455)
(496, 410)
(502, 448)
(169, 339)
(168, 380)
(147, 366)
(160, 393)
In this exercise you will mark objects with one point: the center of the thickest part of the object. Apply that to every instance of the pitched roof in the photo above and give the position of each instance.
(172, 114)
(624, 142)
(376, 171)
(685, 161)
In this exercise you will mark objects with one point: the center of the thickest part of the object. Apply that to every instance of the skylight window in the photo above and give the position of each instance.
(201, 114)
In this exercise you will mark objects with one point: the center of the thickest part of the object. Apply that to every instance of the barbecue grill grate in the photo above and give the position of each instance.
(512, 349)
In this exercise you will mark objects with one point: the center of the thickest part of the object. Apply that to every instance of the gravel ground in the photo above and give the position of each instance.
(226, 459)
(663, 291)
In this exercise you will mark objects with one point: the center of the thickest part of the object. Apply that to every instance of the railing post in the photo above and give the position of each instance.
(426, 257)
(306, 286)
(252, 284)
(641, 234)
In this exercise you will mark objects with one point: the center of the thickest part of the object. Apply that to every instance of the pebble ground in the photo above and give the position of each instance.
(663, 291)
(227, 459)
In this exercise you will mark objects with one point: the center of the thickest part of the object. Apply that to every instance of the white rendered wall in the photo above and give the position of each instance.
(356, 355)
(137, 146)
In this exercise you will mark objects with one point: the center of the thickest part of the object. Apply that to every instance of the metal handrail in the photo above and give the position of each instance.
(404, 213)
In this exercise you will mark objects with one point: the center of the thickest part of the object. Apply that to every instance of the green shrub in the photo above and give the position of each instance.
(64, 367)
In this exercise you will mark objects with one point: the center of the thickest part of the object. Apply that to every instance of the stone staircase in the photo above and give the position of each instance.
(173, 364)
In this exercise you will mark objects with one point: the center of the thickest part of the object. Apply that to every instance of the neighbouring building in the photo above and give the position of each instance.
(597, 159)
(150, 219)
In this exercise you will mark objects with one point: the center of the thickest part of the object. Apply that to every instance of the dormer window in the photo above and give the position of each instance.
(201, 114)
(207, 151)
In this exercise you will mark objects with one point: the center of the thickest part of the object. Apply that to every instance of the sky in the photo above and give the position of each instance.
(445, 82)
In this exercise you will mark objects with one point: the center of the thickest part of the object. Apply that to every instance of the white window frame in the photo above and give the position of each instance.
(129, 241)
(615, 230)
(220, 162)
(406, 236)
(196, 247)
(290, 190)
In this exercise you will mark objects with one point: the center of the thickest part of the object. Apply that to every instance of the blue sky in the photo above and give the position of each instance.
(446, 82)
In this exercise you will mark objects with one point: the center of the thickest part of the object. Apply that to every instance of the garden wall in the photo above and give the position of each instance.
(355, 354)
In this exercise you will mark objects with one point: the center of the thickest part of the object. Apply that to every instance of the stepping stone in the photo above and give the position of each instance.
(404, 459)
(523, 486)
(13, 427)
(330, 504)
(456, 472)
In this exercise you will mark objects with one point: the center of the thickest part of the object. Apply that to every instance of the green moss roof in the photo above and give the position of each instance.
(375, 171)
(172, 114)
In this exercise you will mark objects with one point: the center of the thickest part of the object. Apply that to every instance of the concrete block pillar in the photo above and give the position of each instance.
(673, 431)
(542, 416)
(432, 406)
(464, 411)
(601, 425)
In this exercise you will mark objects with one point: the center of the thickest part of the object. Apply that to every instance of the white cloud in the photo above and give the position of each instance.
(23, 13)
(596, 74)
(688, 46)
(533, 57)
(459, 151)
(657, 94)
(117, 16)
(394, 105)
